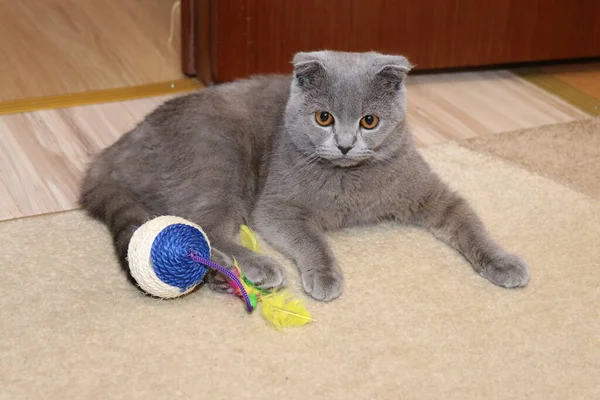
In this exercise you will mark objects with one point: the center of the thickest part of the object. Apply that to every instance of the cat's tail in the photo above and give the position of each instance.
(104, 199)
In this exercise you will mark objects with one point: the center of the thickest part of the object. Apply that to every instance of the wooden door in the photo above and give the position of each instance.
(236, 38)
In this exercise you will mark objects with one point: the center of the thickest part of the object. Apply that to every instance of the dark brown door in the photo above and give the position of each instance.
(238, 38)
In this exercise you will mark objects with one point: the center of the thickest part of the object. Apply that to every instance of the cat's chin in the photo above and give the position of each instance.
(347, 162)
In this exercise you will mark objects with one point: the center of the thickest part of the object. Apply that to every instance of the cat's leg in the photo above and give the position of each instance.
(263, 271)
(450, 218)
(220, 214)
(304, 242)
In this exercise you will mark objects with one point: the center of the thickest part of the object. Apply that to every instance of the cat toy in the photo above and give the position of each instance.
(169, 256)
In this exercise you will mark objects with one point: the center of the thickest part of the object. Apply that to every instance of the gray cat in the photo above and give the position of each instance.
(293, 157)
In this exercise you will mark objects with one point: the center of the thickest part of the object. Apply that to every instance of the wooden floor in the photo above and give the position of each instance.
(51, 47)
(456, 106)
(43, 154)
(583, 76)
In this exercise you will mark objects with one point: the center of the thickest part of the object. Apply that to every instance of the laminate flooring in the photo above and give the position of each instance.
(585, 76)
(462, 105)
(56, 47)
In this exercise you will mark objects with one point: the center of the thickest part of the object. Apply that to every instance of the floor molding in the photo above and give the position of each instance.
(99, 96)
(583, 101)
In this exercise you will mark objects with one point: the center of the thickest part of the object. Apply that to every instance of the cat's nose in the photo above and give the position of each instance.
(345, 149)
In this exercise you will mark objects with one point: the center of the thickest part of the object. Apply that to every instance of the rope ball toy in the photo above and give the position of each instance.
(169, 257)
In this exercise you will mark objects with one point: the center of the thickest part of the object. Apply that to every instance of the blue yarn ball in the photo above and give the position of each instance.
(170, 256)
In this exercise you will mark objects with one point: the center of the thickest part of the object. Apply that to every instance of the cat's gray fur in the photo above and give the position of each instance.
(251, 152)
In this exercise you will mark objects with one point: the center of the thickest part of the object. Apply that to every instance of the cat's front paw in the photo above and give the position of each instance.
(323, 284)
(508, 271)
(263, 271)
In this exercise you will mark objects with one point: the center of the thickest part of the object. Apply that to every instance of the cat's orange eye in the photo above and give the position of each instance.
(369, 121)
(323, 118)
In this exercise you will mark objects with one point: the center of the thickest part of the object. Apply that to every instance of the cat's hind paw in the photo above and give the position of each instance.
(214, 279)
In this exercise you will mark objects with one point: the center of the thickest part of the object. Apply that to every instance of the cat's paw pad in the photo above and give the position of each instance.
(214, 279)
(263, 271)
(509, 271)
(217, 282)
(323, 284)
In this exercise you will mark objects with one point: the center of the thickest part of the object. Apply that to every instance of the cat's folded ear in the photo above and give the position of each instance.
(308, 69)
(392, 70)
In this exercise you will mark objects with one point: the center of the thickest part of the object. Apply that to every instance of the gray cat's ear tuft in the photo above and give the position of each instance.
(308, 70)
(393, 70)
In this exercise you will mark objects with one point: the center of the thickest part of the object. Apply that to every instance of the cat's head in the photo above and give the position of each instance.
(346, 107)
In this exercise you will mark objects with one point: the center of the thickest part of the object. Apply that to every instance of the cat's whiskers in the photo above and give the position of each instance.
(383, 158)
(304, 162)
(311, 161)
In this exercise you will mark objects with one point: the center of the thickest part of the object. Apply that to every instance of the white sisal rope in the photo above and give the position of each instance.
(140, 263)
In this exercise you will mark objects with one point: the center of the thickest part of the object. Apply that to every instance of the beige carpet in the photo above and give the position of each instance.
(415, 322)
(569, 153)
